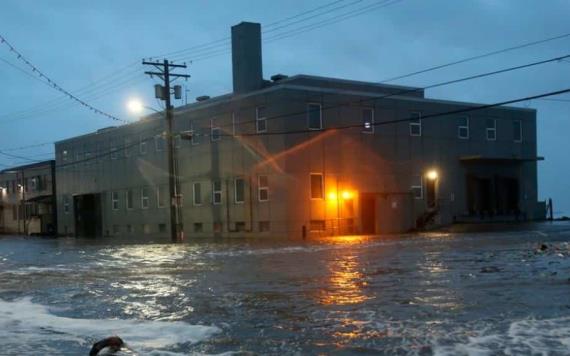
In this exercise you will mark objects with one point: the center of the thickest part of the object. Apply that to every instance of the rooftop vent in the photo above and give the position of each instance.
(203, 98)
(278, 77)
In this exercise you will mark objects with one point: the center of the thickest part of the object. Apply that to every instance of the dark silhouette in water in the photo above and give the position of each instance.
(114, 343)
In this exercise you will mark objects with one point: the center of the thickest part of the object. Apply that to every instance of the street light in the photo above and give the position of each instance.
(432, 174)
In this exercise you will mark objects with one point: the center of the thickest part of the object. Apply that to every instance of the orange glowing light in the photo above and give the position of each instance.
(346, 195)
(432, 175)
(332, 196)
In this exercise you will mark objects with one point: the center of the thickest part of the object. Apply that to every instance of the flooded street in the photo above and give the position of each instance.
(431, 294)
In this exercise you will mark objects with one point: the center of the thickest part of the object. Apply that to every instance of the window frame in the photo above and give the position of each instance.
(236, 201)
(309, 116)
(142, 144)
(322, 197)
(214, 137)
(158, 196)
(414, 123)
(264, 188)
(115, 200)
(259, 119)
(421, 188)
(465, 127)
(491, 129)
(369, 130)
(145, 198)
(216, 192)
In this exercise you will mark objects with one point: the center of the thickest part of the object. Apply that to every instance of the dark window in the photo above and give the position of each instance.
(239, 187)
(317, 189)
(240, 226)
(197, 193)
(198, 227)
(161, 227)
(517, 131)
(161, 196)
(317, 225)
(415, 124)
(314, 116)
(264, 226)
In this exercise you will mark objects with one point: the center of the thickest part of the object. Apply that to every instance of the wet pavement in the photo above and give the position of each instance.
(496, 293)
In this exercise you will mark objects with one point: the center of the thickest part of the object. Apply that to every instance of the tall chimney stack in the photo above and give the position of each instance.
(246, 57)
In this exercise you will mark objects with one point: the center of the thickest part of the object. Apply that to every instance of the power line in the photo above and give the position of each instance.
(54, 84)
(488, 54)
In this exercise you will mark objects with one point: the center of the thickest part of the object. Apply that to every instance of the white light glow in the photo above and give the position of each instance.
(135, 106)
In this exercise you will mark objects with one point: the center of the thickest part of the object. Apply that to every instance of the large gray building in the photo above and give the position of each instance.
(302, 153)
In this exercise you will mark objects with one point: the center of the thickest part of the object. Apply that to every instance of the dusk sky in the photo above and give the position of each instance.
(94, 50)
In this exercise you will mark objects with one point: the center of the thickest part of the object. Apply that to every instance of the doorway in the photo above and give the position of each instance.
(368, 213)
(87, 215)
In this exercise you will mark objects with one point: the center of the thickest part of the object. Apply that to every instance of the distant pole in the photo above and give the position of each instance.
(550, 212)
(176, 233)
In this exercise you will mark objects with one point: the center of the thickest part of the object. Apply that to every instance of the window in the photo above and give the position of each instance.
(491, 129)
(64, 155)
(127, 148)
(114, 150)
(264, 226)
(115, 200)
(368, 120)
(145, 201)
(260, 119)
(239, 190)
(463, 128)
(161, 196)
(66, 204)
(415, 124)
(142, 146)
(314, 117)
(217, 192)
(218, 227)
(197, 194)
(215, 134)
(317, 188)
(161, 227)
(129, 199)
(116, 229)
(517, 131)
(158, 143)
(198, 227)
(235, 124)
(317, 225)
(146, 229)
(417, 187)
(240, 226)
(130, 229)
(263, 188)
(194, 135)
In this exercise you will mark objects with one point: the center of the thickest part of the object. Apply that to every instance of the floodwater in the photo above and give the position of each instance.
(430, 294)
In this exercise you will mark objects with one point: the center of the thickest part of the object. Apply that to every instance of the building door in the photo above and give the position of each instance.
(431, 198)
(368, 213)
(87, 214)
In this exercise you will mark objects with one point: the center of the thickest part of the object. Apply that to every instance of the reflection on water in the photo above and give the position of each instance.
(346, 284)
(341, 295)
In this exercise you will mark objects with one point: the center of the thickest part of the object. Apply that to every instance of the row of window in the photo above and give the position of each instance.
(197, 196)
(31, 184)
(197, 227)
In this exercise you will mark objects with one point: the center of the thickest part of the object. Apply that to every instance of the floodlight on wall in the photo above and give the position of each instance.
(432, 174)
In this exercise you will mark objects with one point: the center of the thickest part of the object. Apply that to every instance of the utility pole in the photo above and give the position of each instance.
(163, 92)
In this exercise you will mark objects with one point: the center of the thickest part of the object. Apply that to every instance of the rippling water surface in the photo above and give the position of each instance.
(432, 294)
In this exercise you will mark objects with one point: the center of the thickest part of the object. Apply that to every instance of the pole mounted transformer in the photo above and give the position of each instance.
(164, 92)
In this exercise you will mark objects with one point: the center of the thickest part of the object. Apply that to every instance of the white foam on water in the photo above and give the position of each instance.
(24, 324)
(523, 337)
(35, 269)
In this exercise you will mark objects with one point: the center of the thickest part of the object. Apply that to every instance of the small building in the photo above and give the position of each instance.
(302, 155)
(27, 199)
